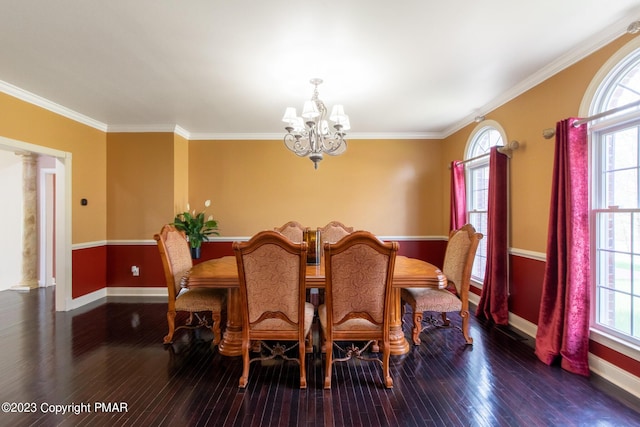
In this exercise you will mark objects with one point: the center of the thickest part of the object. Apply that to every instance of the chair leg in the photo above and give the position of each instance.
(245, 365)
(303, 369)
(445, 320)
(417, 327)
(386, 376)
(308, 343)
(171, 322)
(465, 326)
(216, 317)
(329, 363)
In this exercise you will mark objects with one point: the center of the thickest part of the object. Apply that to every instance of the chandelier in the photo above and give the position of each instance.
(310, 135)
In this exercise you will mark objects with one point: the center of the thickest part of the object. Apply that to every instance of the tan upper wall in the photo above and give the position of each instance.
(25, 122)
(523, 119)
(181, 173)
(140, 189)
(390, 187)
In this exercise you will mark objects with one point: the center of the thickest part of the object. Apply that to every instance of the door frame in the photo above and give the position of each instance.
(46, 196)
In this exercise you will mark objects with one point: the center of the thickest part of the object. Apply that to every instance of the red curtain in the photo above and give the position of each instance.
(563, 323)
(458, 196)
(495, 290)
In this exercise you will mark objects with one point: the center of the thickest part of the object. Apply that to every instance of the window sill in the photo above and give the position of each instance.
(476, 284)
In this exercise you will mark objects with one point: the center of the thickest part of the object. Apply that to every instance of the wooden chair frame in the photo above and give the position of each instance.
(249, 333)
(461, 291)
(381, 334)
(212, 300)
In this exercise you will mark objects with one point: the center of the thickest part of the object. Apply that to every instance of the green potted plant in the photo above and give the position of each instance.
(196, 227)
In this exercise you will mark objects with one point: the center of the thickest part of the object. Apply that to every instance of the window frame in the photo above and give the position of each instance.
(598, 206)
(595, 100)
(475, 164)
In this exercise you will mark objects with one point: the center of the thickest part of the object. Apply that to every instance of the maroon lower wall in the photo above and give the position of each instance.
(89, 270)
(146, 257)
(525, 288)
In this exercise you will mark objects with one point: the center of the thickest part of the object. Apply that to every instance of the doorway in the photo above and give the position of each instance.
(60, 255)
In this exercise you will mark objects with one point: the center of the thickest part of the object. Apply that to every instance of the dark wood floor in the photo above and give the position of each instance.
(111, 352)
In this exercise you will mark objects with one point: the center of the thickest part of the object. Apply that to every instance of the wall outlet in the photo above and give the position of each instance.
(135, 270)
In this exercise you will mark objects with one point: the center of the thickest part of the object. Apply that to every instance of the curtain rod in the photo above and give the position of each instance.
(550, 132)
(606, 113)
(506, 150)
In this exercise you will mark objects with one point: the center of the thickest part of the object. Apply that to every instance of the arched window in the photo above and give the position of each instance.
(486, 135)
(615, 201)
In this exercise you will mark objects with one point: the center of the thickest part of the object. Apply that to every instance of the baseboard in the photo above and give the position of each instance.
(137, 292)
(616, 376)
(118, 292)
(88, 298)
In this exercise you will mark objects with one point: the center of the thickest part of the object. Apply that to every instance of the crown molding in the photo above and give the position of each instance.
(589, 46)
(398, 135)
(177, 129)
(39, 101)
(180, 131)
(203, 136)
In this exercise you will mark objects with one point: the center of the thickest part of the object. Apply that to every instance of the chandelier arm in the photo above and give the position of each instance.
(296, 144)
(339, 149)
(333, 144)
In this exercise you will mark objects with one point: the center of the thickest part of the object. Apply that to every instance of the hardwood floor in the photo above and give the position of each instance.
(112, 353)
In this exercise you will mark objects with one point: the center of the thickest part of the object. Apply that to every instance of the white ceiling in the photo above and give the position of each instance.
(228, 69)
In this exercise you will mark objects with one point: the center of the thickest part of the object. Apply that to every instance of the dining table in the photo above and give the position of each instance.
(223, 273)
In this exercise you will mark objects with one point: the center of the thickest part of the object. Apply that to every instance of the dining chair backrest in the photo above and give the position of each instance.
(333, 232)
(359, 272)
(271, 270)
(459, 256)
(175, 255)
(293, 230)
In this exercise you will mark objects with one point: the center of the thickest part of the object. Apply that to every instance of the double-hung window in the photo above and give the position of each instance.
(487, 135)
(615, 203)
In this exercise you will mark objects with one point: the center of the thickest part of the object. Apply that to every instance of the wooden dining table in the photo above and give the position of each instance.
(223, 273)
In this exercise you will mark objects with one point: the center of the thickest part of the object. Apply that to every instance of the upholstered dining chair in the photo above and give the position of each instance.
(292, 230)
(333, 231)
(176, 260)
(458, 261)
(358, 274)
(272, 274)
